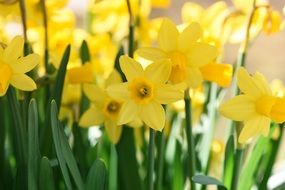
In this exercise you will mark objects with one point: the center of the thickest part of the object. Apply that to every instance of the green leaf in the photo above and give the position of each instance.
(46, 180)
(113, 169)
(84, 52)
(33, 145)
(117, 63)
(207, 180)
(229, 162)
(97, 176)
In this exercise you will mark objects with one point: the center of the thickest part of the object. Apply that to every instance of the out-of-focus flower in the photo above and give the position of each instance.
(278, 88)
(254, 107)
(13, 67)
(105, 109)
(217, 157)
(186, 54)
(144, 92)
(81, 74)
(160, 3)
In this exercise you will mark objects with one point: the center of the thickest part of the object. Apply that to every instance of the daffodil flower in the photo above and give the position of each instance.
(144, 92)
(104, 109)
(253, 107)
(13, 67)
(184, 50)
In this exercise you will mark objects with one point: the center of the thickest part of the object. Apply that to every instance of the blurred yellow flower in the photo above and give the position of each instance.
(13, 67)
(144, 92)
(104, 109)
(80, 74)
(183, 50)
(160, 3)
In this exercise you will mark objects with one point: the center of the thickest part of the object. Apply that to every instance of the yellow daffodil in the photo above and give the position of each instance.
(253, 107)
(186, 54)
(80, 74)
(144, 92)
(105, 109)
(13, 67)
(160, 3)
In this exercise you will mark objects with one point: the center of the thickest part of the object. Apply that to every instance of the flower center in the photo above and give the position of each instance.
(178, 71)
(112, 108)
(264, 105)
(141, 90)
(5, 75)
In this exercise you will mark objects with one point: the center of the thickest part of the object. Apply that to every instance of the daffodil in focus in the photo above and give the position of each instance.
(104, 109)
(144, 92)
(184, 50)
(13, 67)
(253, 107)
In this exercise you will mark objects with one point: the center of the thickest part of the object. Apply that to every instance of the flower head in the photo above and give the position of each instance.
(144, 92)
(13, 67)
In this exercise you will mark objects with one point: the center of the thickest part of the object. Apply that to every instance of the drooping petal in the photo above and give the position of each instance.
(153, 115)
(129, 112)
(262, 83)
(113, 130)
(189, 36)
(168, 36)
(94, 93)
(25, 64)
(23, 82)
(158, 72)
(14, 50)
(201, 54)
(118, 91)
(239, 108)
(130, 67)
(253, 127)
(153, 54)
(93, 116)
(166, 94)
(194, 77)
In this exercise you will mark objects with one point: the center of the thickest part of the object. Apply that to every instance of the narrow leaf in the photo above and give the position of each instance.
(84, 52)
(46, 180)
(229, 162)
(97, 176)
(207, 180)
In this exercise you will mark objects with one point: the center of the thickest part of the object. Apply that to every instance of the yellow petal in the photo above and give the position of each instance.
(153, 115)
(201, 54)
(194, 77)
(23, 82)
(130, 67)
(114, 78)
(166, 94)
(153, 54)
(129, 112)
(80, 74)
(191, 12)
(94, 93)
(25, 64)
(168, 35)
(261, 83)
(277, 113)
(93, 116)
(189, 36)
(239, 108)
(253, 127)
(113, 130)
(158, 72)
(118, 91)
(14, 50)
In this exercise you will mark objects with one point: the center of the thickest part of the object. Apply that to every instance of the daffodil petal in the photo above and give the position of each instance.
(153, 54)
(239, 108)
(153, 115)
(168, 36)
(253, 127)
(189, 36)
(166, 94)
(130, 67)
(118, 91)
(194, 77)
(113, 130)
(23, 82)
(158, 72)
(201, 54)
(14, 50)
(25, 64)
(262, 83)
(94, 93)
(114, 78)
(93, 116)
(129, 112)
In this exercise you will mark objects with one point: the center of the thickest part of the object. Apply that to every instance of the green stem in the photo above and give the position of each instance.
(44, 11)
(237, 168)
(131, 29)
(150, 170)
(113, 179)
(190, 140)
(160, 159)
(24, 18)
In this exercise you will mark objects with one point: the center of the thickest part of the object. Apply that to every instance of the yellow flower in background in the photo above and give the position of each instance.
(144, 92)
(13, 67)
(80, 74)
(278, 88)
(104, 109)
(253, 107)
(183, 50)
(272, 22)
(160, 3)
